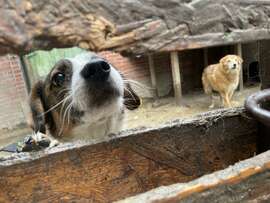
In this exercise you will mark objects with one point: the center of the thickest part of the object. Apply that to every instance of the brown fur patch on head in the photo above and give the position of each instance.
(46, 95)
(224, 59)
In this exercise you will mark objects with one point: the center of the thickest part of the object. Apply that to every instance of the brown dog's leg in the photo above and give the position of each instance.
(212, 101)
(225, 99)
(230, 95)
(228, 100)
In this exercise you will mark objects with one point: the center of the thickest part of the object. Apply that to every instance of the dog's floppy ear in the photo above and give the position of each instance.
(240, 60)
(131, 99)
(223, 60)
(37, 118)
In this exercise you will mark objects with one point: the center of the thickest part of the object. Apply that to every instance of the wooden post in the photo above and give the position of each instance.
(176, 77)
(205, 57)
(239, 53)
(153, 75)
(264, 61)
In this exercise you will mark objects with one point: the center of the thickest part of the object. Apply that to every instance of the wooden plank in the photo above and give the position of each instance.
(246, 181)
(153, 75)
(132, 163)
(238, 50)
(176, 77)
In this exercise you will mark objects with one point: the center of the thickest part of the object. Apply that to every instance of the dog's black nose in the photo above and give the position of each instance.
(234, 66)
(97, 70)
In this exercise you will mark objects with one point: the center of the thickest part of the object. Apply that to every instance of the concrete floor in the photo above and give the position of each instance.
(151, 113)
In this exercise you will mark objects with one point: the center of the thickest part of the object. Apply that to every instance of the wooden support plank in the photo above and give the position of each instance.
(205, 57)
(153, 75)
(176, 77)
(239, 53)
(131, 163)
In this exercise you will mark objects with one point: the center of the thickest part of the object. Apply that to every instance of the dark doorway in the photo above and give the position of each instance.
(254, 72)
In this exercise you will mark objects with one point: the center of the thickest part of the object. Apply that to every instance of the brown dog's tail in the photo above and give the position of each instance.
(206, 85)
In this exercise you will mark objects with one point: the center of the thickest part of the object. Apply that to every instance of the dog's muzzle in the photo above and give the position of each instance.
(97, 71)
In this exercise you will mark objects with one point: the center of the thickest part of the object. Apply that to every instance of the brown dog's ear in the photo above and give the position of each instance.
(240, 60)
(37, 118)
(223, 60)
(131, 99)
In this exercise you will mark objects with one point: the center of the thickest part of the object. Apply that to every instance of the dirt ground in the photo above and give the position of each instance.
(151, 113)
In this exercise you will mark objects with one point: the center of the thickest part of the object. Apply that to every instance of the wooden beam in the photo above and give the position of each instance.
(153, 75)
(176, 77)
(205, 57)
(131, 163)
(246, 181)
(239, 53)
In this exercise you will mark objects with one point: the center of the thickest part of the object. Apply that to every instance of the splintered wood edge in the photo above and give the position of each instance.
(209, 117)
(231, 175)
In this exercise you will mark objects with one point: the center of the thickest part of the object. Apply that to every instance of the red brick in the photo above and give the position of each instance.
(12, 92)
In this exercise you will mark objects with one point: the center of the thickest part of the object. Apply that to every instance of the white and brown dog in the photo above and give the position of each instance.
(81, 97)
(223, 78)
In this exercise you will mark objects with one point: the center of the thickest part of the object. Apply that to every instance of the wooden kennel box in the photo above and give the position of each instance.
(143, 159)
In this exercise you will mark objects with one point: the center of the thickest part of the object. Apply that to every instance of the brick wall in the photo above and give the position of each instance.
(12, 92)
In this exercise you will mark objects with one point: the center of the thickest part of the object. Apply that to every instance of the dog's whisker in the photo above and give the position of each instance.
(64, 90)
(63, 115)
(63, 105)
(53, 107)
(64, 119)
(69, 112)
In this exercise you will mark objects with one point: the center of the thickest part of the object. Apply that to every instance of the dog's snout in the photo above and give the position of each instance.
(234, 65)
(96, 70)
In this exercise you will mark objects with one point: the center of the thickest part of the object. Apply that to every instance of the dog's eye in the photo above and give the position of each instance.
(58, 79)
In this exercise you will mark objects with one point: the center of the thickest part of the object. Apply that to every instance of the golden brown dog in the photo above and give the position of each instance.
(223, 78)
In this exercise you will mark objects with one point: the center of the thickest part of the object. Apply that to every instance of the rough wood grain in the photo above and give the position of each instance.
(246, 181)
(133, 163)
(135, 27)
